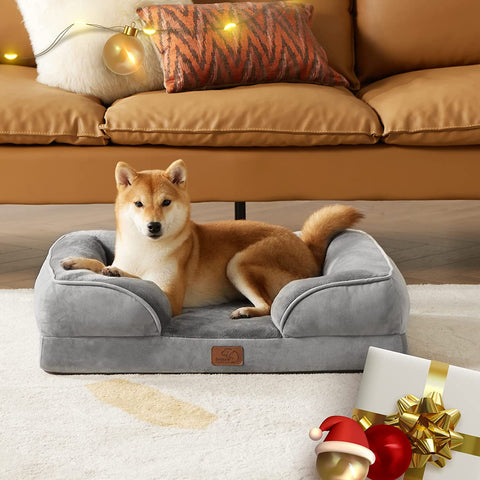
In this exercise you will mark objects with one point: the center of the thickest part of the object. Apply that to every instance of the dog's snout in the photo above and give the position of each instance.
(154, 227)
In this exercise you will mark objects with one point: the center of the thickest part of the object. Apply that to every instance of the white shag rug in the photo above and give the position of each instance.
(198, 427)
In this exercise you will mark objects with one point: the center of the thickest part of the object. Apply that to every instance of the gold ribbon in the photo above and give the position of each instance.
(427, 424)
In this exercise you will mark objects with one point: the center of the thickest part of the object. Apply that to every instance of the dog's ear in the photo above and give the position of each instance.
(177, 173)
(124, 174)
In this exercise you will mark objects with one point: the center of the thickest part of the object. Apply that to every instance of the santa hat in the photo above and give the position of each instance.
(345, 436)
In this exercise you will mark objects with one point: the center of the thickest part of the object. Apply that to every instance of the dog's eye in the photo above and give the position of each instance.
(166, 203)
(139, 204)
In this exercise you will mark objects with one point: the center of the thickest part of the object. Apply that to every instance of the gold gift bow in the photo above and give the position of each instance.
(436, 378)
(429, 427)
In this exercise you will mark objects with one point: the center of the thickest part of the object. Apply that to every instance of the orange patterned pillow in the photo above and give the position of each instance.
(227, 44)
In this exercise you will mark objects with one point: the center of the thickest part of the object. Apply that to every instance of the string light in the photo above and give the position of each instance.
(123, 53)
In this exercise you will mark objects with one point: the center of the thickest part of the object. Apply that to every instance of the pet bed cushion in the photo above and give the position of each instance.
(90, 323)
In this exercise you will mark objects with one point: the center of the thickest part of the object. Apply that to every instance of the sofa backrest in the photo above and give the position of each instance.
(394, 36)
(13, 36)
(332, 25)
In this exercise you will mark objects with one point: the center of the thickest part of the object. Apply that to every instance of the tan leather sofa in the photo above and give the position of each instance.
(408, 129)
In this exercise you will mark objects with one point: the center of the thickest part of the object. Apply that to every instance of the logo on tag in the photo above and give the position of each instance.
(227, 356)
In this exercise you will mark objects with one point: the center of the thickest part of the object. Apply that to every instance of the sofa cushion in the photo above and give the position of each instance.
(276, 114)
(32, 113)
(332, 25)
(14, 36)
(429, 107)
(395, 36)
(265, 42)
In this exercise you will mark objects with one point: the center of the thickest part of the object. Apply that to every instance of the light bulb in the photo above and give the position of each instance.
(123, 53)
(149, 31)
(229, 26)
(11, 56)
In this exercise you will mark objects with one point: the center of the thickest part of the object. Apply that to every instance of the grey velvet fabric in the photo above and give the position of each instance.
(71, 303)
(186, 355)
(361, 292)
(90, 323)
(215, 322)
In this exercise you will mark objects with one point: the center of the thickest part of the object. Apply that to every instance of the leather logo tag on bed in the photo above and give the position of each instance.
(226, 356)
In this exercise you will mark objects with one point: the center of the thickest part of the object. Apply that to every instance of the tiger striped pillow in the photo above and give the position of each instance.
(228, 44)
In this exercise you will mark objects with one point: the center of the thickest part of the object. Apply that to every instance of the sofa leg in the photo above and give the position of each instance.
(240, 211)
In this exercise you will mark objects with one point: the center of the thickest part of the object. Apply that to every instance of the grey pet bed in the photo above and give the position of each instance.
(90, 323)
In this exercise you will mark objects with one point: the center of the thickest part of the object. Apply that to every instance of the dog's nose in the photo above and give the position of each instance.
(154, 227)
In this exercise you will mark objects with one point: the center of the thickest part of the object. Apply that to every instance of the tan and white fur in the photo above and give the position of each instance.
(210, 263)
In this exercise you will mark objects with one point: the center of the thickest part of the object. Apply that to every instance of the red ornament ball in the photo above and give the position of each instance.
(392, 450)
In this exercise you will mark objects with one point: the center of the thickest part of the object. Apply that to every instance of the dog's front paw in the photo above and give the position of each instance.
(112, 272)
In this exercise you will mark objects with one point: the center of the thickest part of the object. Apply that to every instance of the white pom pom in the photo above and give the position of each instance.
(315, 433)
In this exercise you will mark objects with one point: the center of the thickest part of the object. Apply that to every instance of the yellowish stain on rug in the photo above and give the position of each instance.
(150, 405)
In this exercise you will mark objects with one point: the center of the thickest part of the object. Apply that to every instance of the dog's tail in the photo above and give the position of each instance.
(322, 225)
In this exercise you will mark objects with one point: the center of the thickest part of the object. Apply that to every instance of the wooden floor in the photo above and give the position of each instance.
(431, 242)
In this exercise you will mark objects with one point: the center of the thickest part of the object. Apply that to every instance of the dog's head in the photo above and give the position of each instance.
(154, 201)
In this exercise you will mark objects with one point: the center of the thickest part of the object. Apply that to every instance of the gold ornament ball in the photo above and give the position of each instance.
(341, 466)
(123, 54)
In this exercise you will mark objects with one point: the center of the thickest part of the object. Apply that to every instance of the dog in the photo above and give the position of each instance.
(211, 263)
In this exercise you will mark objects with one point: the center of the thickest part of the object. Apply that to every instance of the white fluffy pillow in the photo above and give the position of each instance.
(76, 63)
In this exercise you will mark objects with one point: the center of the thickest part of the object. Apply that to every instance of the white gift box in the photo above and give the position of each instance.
(389, 376)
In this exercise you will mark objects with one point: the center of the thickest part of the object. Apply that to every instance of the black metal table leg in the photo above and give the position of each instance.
(240, 211)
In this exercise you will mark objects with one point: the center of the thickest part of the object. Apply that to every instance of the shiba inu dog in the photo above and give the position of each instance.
(211, 263)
